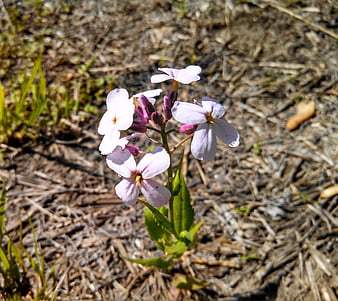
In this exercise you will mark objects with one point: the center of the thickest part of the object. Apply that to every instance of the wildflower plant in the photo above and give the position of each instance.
(169, 213)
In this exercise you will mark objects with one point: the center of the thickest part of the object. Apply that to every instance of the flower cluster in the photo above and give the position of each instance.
(129, 117)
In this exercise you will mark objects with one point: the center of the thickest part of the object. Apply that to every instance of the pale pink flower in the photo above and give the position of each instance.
(118, 117)
(150, 94)
(137, 177)
(210, 122)
(183, 76)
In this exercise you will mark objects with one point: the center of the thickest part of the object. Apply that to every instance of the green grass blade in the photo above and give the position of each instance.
(2, 107)
(26, 87)
(39, 99)
(2, 210)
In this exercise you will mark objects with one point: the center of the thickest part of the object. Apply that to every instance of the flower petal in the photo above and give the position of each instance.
(154, 163)
(188, 75)
(122, 162)
(170, 71)
(124, 115)
(156, 194)
(203, 145)
(115, 98)
(226, 132)
(212, 106)
(128, 191)
(106, 124)
(149, 93)
(188, 113)
(109, 142)
(158, 78)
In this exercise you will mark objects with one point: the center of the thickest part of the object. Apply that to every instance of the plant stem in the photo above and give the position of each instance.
(170, 172)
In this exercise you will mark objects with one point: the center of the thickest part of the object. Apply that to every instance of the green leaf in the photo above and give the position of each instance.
(26, 86)
(156, 231)
(39, 98)
(159, 218)
(188, 283)
(157, 262)
(4, 260)
(183, 211)
(177, 249)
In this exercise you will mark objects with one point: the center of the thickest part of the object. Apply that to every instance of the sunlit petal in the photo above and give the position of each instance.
(122, 162)
(158, 78)
(226, 132)
(109, 142)
(156, 194)
(128, 191)
(115, 98)
(188, 113)
(154, 163)
(203, 145)
(212, 106)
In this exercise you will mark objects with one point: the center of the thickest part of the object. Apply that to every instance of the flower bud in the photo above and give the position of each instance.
(188, 128)
(134, 150)
(147, 106)
(157, 118)
(168, 102)
(139, 126)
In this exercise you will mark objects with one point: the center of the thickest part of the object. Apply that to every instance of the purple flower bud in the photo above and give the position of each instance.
(141, 113)
(167, 107)
(168, 102)
(188, 128)
(134, 150)
(147, 106)
(157, 118)
(139, 126)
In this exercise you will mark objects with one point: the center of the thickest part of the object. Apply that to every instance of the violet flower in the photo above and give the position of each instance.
(137, 178)
(183, 76)
(209, 118)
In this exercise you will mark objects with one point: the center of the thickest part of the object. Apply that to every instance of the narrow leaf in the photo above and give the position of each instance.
(182, 209)
(157, 262)
(4, 260)
(26, 86)
(2, 211)
(155, 230)
(160, 218)
(2, 107)
(189, 283)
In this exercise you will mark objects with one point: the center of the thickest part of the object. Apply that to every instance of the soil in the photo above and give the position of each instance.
(267, 233)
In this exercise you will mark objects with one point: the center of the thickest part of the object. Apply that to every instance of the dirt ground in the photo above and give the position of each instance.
(267, 233)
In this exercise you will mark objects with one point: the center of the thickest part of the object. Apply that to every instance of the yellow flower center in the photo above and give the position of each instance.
(210, 118)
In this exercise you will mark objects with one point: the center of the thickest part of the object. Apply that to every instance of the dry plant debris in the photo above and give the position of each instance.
(267, 235)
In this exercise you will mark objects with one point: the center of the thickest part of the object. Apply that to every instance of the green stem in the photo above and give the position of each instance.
(170, 172)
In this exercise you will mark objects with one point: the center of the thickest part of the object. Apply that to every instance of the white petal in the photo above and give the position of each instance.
(212, 106)
(188, 75)
(170, 71)
(158, 78)
(149, 93)
(106, 124)
(156, 194)
(124, 116)
(109, 142)
(128, 191)
(122, 162)
(154, 163)
(203, 145)
(226, 132)
(188, 113)
(116, 97)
